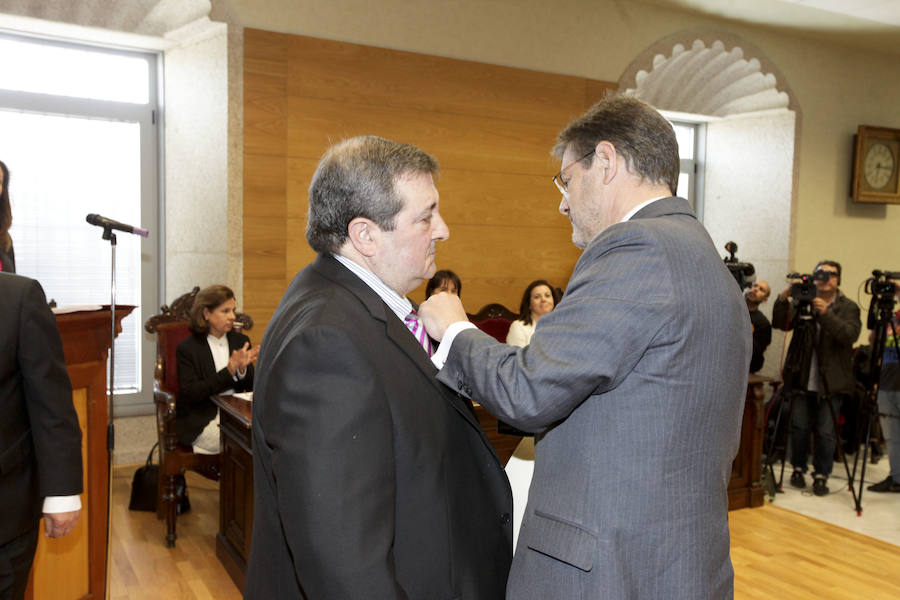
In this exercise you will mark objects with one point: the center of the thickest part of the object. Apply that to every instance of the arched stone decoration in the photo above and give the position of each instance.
(145, 17)
(706, 78)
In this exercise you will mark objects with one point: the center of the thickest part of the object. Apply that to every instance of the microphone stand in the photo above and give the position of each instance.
(110, 427)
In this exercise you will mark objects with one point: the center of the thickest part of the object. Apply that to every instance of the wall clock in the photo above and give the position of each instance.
(876, 165)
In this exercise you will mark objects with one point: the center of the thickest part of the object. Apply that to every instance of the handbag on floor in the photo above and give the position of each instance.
(143, 486)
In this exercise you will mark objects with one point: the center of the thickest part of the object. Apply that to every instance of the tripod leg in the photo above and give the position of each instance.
(841, 455)
(773, 442)
(862, 475)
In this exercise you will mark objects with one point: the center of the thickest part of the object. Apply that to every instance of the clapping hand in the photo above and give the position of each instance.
(240, 358)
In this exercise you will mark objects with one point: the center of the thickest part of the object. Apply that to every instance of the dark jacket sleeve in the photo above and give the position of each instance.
(842, 323)
(48, 398)
(235, 341)
(762, 337)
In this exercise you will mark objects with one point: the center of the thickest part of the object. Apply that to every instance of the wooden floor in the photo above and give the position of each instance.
(142, 568)
(776, 554)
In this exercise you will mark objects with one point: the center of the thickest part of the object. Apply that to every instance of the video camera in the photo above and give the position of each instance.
(805, 290)
(882, 290)
(743, 272)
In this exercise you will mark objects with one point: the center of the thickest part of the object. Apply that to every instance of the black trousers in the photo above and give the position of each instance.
(16, 557)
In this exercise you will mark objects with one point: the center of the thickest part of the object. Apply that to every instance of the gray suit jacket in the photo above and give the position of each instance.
(635, 386)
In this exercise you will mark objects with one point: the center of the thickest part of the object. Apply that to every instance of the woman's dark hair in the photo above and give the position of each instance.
(5, 211)
(209, 298)
(525, 306)
(441, 277)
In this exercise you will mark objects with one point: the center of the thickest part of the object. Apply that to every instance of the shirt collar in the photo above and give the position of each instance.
(634, 210)
(399, 305)
(222, 341)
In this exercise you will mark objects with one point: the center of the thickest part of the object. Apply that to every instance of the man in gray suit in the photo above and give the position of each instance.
(633, 385)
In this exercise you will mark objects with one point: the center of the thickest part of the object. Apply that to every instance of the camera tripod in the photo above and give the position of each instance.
(881, 311)
(796, 374)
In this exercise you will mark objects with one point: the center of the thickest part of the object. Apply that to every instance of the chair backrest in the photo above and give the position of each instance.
(494, 319)
(493, 311)
(168, 336)
(498, 328)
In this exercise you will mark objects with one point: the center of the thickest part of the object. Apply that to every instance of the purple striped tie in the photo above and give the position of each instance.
(418, 330)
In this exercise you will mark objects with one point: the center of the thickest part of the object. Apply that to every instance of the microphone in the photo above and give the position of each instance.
(99, 221)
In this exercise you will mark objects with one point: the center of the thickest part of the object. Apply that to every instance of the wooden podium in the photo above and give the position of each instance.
(74, 566)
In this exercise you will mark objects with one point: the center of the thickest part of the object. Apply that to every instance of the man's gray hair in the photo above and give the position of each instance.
(639, 133)
(356, 178)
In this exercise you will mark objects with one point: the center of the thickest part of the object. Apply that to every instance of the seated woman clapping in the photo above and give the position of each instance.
(214, 360)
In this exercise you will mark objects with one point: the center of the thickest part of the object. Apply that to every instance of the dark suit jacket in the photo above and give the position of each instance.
(371, 479)
(198, 380)
(40, 440)
(634, 385)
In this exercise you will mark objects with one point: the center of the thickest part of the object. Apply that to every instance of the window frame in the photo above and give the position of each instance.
(149, 118)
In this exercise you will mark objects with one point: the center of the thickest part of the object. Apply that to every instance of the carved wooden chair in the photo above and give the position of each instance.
(171, 327)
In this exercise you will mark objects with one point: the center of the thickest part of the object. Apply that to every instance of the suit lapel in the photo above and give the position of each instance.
(207, 364)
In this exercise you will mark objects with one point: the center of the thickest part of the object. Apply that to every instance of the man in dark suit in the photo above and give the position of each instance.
(40, 440)
(633, 385)
(371, 479)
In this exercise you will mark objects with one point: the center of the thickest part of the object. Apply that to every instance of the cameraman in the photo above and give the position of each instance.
(829, 370)
(762, 329)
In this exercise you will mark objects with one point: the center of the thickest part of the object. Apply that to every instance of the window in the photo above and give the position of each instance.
(691, 149)
(79, 137)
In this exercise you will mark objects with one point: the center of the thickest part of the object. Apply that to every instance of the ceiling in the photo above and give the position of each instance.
(872, 25)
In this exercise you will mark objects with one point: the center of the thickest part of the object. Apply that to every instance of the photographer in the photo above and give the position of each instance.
(818, 367)
(762, 330)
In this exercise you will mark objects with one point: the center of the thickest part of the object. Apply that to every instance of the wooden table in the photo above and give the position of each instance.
(744, 488)
(235, 487)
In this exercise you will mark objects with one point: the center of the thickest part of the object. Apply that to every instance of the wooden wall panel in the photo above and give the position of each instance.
(355, 74)
(491, 128)
(476, 196)
(459, 141)
(597, 90)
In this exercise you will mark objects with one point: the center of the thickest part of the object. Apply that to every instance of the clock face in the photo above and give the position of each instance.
(879, 165)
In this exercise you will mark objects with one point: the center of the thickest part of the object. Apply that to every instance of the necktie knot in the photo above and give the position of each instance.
(418, 330)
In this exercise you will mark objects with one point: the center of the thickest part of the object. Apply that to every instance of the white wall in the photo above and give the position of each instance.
(748, 198)
(196, 163)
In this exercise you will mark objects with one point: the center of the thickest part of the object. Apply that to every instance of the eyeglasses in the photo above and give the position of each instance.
(557, 179)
